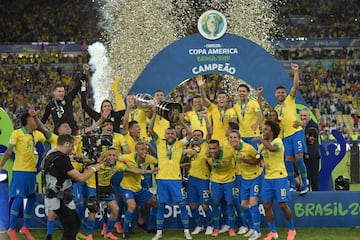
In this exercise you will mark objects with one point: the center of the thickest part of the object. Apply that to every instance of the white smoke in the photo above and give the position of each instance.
(102, 78)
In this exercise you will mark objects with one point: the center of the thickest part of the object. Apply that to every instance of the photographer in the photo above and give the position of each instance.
(77, 161)
(100, 189)
(58, 175)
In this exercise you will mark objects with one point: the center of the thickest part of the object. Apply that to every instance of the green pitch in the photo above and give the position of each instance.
(302, 233)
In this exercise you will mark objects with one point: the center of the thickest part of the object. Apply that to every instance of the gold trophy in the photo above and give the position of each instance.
(166, 109)
(169, 110)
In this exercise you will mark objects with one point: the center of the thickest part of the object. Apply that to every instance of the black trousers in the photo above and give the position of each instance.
(312, 167)
(69, 220)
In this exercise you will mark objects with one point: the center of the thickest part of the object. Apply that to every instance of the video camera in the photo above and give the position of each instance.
(92, 143)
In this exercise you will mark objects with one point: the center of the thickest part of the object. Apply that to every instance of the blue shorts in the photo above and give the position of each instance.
(295, 143)
(250, 141)
(221, 191)
(237, 187)
(198, 191)
(169, 191)
(79, 190)
(22, 184)
(140, 197)
(91, 192)
(275, 189)
(252, 187)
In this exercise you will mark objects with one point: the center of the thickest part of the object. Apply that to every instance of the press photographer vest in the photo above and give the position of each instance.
(57, 185)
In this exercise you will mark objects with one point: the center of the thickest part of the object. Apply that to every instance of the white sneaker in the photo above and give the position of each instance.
(242, 230)
(157, 236)
(209, 230)
(249, 233)
(256, 235)
(197, 230)
(224, 228)
(187, 235)
(304, 191)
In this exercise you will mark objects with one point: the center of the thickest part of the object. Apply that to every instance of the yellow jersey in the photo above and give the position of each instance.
(118, 142)
(287, 115)
(160, 125)
(169, 157)
(247, 114)
(223, 169)
(132, 181)
(131, 142)
(199, 168)
(275, 165)
(139, 115)
(248, 171)
(105, 174)
(220, 119)
(24, 146)
(196, 121)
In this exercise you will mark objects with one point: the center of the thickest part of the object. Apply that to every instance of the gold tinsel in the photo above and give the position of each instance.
(137, 30)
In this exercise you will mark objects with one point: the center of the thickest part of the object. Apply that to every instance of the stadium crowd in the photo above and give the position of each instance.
(77, 20)
(319, 19)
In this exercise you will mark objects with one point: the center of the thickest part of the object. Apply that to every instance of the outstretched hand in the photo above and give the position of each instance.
(31, 110)
(200, 80)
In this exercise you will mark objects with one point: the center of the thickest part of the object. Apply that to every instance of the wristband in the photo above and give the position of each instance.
(93, 168)
(83, 89)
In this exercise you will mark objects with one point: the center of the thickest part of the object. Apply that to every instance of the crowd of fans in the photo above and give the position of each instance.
(31, 21)
(25, 81)
(28, 21)
(319, 19)
(331, 88)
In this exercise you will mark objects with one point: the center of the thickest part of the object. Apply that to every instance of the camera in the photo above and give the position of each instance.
(93, 142)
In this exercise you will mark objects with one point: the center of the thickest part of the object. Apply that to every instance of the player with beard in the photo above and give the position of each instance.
(169, 184)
